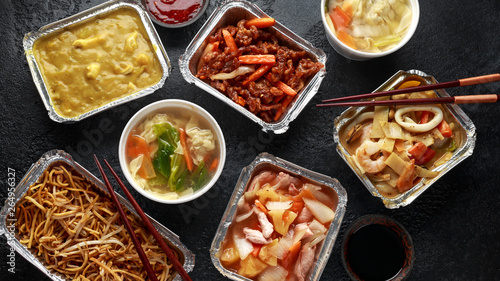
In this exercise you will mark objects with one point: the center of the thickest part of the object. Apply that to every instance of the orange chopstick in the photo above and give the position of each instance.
(170, 255)
(137, 244)
(457, 83)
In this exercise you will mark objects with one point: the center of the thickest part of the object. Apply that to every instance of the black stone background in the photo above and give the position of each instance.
(454, 224)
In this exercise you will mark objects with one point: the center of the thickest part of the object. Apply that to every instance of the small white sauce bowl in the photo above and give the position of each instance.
(353, 54)
(165, 106)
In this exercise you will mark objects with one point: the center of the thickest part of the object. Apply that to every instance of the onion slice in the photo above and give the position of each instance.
(319, 210)
(235, 73)
(243, 246)
(273, 273)
(276, 205)
(244, 216)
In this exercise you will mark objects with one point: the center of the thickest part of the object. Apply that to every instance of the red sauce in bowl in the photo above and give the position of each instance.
(174, 11)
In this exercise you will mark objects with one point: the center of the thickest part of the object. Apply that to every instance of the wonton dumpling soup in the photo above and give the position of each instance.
(172, 154)
(369, 25)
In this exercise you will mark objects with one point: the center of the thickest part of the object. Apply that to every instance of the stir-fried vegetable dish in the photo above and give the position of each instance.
(172, 155)
(75, 229)
(279, 227)
(398, 146)
(369, 25)
(247, 63)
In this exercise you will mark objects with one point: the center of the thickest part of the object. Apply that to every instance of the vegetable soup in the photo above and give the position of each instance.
(369, 25)
(398, 146)
(172, 154)
(279, 227)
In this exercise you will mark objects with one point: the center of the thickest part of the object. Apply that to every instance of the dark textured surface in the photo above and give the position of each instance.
(454, 225)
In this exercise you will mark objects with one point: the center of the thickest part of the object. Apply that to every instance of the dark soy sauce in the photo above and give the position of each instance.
(375, 252)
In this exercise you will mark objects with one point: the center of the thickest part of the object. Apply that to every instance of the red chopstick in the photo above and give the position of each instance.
(170, 255)
(457, 100)
(457, 83)
(137, 244)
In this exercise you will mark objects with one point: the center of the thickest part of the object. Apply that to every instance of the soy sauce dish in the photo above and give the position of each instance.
(172, 151)
(377, 248)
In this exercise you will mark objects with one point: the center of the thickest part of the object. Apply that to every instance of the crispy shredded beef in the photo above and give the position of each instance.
(262, 97)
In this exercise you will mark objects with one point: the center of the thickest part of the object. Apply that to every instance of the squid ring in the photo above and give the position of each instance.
(419, 128)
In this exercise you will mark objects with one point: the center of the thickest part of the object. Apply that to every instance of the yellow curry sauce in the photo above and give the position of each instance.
(96, 62)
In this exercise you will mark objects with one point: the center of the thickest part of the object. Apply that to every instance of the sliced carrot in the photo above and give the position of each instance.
(183, 137)
(260, 206)
(347, 7)
(290, 259)
(287, 101)
(445, 129)
(304, 193)
(136, 145)
(257, 59)
(347, 39)
(278, 98)
(229, 41)
(283, 107)
(257, 73)
(214, 165)
(285, 88)
(285, 216)
(297, 206)
(282, 86)
(341, 20)
(256, 249)
(260, 22)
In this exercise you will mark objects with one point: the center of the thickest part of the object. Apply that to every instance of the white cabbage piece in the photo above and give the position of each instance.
(168, 196)
(200, 143)
(135, 164)
(142, 183)
(147, 126)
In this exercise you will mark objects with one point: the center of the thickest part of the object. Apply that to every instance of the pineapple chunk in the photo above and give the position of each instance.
(267, 194)
(251, 267)
(230, 256)
(282, 220)
(267, 255)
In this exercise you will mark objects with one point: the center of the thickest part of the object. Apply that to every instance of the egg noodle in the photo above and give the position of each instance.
(76, 230)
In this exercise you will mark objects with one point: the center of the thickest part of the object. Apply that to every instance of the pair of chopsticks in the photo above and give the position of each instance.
(170, 255)
(457, 100)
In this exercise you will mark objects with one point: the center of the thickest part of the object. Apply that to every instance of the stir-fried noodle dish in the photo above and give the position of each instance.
(74, 228)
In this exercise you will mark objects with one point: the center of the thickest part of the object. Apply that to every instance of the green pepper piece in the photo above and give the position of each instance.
(453, 146)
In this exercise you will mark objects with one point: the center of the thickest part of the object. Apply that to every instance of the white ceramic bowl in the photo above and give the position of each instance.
(350, 53)
(165, 105)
